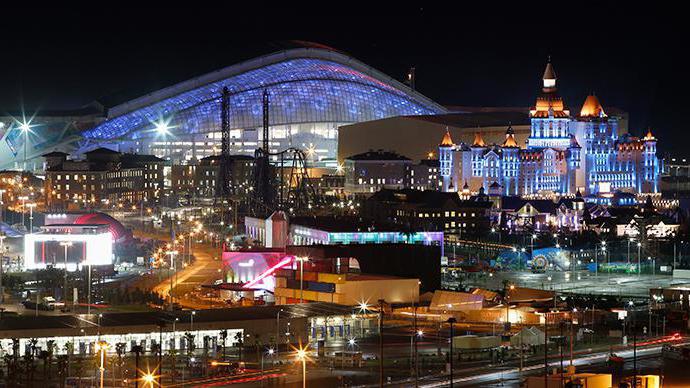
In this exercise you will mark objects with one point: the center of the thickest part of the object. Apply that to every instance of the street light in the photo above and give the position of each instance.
(301, 277)
(148, 378)
(451, 321)
(2, 259)
(25, 127)
(23, 198)
(65, 244)
(302, 356)
(102, 346)
(31, 207)
(639, 249)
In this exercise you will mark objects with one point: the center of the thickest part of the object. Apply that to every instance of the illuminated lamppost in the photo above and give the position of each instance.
(2, 205)
(25, 128)
(451, 322)
(639, 250)
(301, 261)
(23, 198)
(102, 346)
(2, 259)
(606, 253)
(302, 356)
(149, 379)
(31, 207)
(172, 254)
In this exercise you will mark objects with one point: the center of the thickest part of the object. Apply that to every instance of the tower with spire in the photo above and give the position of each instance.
(445, 158)
(563, 155)
(510, 163)
(549, 116)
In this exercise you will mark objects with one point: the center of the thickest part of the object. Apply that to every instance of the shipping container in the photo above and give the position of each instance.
(331, 278)
(320, 287)
(308, 276)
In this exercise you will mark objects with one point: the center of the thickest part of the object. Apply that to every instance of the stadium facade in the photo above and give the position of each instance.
(312, 92)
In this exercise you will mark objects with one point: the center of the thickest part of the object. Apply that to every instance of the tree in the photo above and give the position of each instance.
(43, 356)
(50, 348)
(120, 350)
(240, 342)
(223, 337)
(62, 362)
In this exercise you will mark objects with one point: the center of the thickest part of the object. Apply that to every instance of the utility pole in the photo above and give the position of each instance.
(451, 322)
(416, 353)
(381, 378)
(2, 259)
(546, 349)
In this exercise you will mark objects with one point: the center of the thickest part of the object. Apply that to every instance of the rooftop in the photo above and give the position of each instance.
(378, 155)
(154, 318)
(338, 224)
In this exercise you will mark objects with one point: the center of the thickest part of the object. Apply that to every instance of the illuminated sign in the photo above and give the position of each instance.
(48, 250)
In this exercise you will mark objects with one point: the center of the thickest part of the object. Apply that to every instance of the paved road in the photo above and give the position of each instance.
(583, 282)
(205, 269)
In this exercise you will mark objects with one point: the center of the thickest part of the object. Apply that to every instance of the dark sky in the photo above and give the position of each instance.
(493, 55)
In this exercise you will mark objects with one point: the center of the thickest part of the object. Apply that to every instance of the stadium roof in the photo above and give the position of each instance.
(305, 85)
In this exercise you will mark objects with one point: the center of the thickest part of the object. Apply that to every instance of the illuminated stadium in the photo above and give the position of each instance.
(312, 92)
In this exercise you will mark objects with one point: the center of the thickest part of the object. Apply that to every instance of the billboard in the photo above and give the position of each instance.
(44, 250)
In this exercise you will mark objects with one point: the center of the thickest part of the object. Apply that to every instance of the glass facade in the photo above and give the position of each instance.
(309, 99)
(312, 93)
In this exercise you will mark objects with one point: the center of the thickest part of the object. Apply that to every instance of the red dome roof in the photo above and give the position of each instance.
(114, 226)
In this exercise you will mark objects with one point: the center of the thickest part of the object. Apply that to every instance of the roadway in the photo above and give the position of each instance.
(204, 269)
(582, 282)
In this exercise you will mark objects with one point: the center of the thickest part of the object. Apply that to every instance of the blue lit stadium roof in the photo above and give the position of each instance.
(305, 85)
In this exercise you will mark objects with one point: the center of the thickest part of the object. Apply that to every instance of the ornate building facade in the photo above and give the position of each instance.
(564, 154)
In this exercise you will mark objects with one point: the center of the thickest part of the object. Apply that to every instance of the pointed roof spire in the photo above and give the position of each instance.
(549, 76)
(510, 138)
(465, 187)
(447, 141)
(649, 136)
(478, 140)
(592, 107)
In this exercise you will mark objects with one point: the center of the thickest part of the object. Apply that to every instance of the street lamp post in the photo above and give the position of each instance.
(23, 198)
(88, 292)
(173, 267)
(606, 254)
(2, 205)
(65, 244)
(25, 127)
(302, 356)
(31, 207)
(639, 250)
(451, 321)
(596, 262)
(2, 259)
(301, 277)
(102, 346)
(191, 320)
(381, 377)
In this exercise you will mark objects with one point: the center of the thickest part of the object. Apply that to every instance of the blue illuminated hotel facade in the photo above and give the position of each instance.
(563, 154)
(312, 92)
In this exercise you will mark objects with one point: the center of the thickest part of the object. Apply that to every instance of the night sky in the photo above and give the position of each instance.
(633, 59)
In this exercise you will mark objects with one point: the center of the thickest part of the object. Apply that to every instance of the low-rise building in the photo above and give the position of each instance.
(104, 176)
(204, 179)
(430, 211)
(372, 171)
